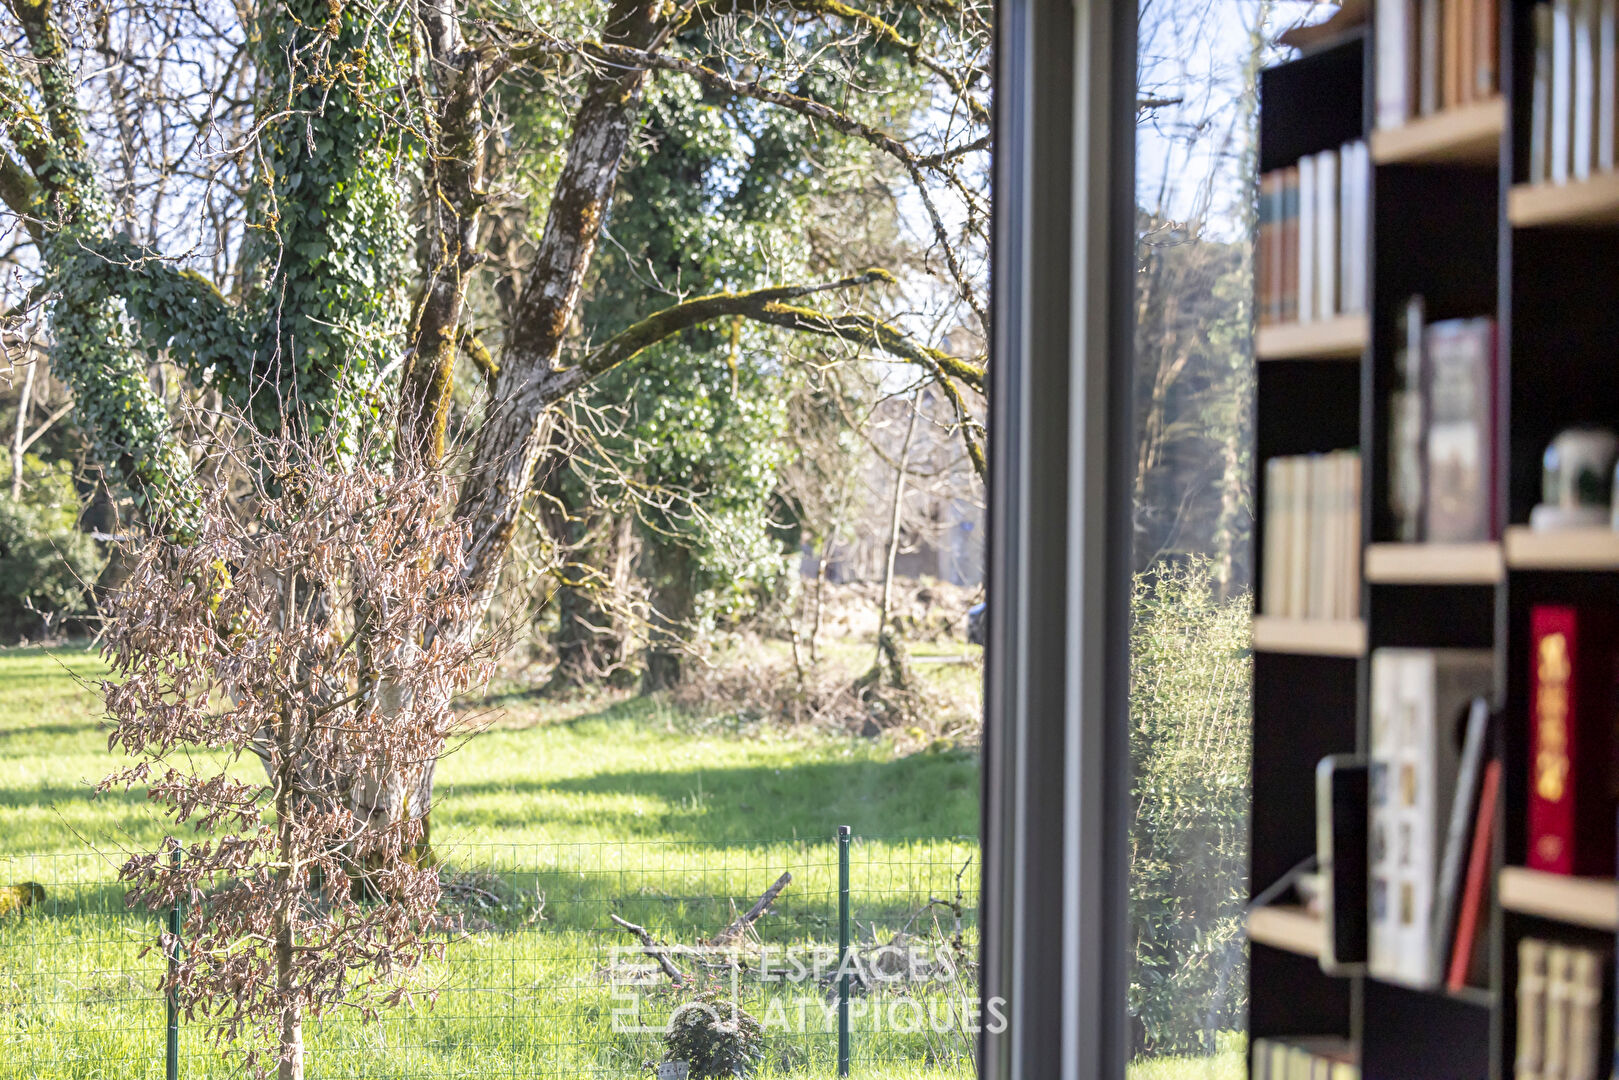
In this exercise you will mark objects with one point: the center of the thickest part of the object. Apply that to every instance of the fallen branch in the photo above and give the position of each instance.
(751, 916)
(660, 953)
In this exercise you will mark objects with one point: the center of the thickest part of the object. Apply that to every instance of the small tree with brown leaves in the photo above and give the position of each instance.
(300, 633)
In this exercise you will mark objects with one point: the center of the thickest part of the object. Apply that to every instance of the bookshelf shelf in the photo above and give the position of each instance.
(1465, 135)
(1341, 338)
(1581, 202)
(1591, 902)
(1570, 549)
(1434, 564)
(1309, 637)
(1286, 927)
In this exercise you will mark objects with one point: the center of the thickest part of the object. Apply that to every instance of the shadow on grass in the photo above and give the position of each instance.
(921, 795)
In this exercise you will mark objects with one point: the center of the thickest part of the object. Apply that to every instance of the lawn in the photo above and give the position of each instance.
(554, 817)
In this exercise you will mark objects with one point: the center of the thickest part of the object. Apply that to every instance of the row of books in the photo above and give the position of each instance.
(1311, 553)
(1441, 480)
(1559, 995)
(1309, 1057)
(1313, 224)
(1574, 101)
(1434, 55)
(1432, 814)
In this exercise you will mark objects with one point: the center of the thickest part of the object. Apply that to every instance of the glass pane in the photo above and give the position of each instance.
(1194, 511)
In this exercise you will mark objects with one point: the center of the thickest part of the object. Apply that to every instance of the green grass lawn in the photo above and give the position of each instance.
(568, 813)
(565, 813)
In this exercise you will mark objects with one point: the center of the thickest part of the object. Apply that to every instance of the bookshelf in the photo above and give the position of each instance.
(1454, 219)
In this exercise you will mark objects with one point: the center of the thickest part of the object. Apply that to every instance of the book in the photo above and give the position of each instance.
(1584, 1004)
(1428, 30)
(1607, 105)
(1407, 427)
(1486, 55)
(1289, 308)
(1326, 238)
(1308, 259)
(1531, 995)
(1392, 33)
(1465, 809)
(1582, 130)
(1561, 117)
(1265, 303)
(1571, 743)
(1559, 977)
(1416, 694)
(1450, 58)
(1459, 397)
(1540, 111)
(1467, 957)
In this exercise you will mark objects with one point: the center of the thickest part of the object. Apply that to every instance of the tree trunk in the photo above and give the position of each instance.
(291, 1043)
(530, 379)
(591, 640)
(674, 604)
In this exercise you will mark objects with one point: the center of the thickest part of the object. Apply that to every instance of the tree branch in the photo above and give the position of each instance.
(771, 306)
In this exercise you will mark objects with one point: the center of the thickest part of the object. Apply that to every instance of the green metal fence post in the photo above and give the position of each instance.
(843, 950)
(172, 1063)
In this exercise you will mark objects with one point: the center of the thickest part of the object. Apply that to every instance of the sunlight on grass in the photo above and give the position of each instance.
(568, 812)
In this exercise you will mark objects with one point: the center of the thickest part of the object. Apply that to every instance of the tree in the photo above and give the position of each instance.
(362, 159)
(294, 635)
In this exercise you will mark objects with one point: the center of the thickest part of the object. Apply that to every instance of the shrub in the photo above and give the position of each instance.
(46, 564)
(714, 1037)
(1190, 723)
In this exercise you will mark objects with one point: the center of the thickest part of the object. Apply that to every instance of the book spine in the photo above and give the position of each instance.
(1470, 918)
(1562, 91)
(1607, 112)
(1451, 61)
(1429, 22)
(1540, 110)
(1263, 268)
(1455, 869)
(1559, 960)
(1289, 310)
(1487, 28)
(1583, 123)
(1531, 994)
(1393, 63)
(1466, 49)
(1552, 644)
(1326, 241)
(1308, 234)
(1348, 177)
(1584, 1014)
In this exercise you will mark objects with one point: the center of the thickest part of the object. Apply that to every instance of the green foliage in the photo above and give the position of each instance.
(331, 236)
(715, 1037)
(46, 563)
(1190, 672)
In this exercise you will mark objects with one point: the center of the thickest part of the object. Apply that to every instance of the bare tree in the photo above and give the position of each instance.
(299, 635)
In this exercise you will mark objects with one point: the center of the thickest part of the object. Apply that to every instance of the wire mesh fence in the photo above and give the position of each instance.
(548, 974)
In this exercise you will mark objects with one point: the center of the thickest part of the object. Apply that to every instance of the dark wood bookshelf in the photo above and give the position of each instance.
(1451, 219)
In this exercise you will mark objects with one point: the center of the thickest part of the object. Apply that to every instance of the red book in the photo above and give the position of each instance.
(1469, 924)
(1572, 741)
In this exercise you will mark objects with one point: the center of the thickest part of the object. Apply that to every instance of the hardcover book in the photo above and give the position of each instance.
(1572, 738)
(1418, 697)
(1459, 377)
